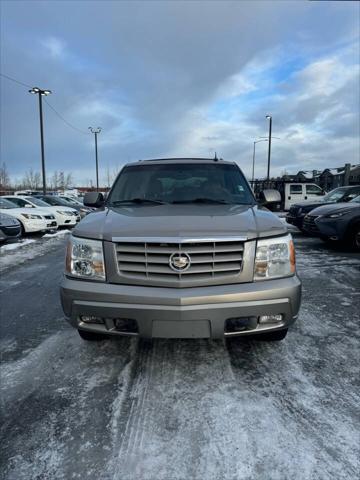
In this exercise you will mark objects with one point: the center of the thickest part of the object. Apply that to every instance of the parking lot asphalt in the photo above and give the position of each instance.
(180, 409)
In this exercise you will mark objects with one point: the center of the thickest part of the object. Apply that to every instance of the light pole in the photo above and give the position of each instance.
(41, 93)
(253, 162)
(269, 117)
(95, 131)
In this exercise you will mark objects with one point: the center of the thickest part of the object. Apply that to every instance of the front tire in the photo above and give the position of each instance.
(91, 336)
(22, 229)
(354, 237)
(272, 336)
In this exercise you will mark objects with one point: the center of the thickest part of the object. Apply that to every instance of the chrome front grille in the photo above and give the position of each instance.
(151, 260)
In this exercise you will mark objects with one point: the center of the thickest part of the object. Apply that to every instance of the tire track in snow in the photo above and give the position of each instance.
(58, 426)
(176, 408)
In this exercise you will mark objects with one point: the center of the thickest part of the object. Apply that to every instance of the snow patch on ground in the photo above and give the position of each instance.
(8, 247)
(15, 254)
(59, 233)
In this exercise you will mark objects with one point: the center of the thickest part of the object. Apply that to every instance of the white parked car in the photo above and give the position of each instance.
(31, 221)
(65, 216)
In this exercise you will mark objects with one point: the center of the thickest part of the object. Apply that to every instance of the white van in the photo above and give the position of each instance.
(300, 192)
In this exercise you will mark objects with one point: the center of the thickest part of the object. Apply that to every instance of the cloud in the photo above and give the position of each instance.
(182, 78)
(55, 47)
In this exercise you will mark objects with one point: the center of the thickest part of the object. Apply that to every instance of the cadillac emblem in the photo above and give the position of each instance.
(179, 262)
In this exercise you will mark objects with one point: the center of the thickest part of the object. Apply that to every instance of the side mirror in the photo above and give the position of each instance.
(269, 196)
(94, 199)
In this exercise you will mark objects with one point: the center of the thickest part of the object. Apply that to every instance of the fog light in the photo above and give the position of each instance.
(91, 319)
(270, 318)
(126, 325)
(240, 324)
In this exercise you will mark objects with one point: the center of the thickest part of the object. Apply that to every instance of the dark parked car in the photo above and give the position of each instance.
(340, 222)
(298, 211)
(10, 227)
(55, 201)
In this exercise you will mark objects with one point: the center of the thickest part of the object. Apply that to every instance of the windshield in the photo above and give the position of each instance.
(338, 194)
(37, 202)
(71, 200)
(7, 204)
(181, 183)
(54, 201)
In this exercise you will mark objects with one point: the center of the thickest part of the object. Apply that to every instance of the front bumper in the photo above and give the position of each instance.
(333, 228)
(66, 221)
(296, 221)
(34, 225)
(200, 312)
(10, 231)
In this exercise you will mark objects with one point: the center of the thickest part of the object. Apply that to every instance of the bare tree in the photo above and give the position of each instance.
(68, 180)
(31, 180)
(37, 180)
(4, 176)
(55, 180)
(61, 180)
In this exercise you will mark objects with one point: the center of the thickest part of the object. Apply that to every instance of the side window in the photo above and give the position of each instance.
(18, 201)
(350, 195)
(295, 189)
(313, 190)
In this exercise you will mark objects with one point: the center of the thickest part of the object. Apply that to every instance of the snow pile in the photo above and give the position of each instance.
(13, 254)
(59, 233)
(14, 246)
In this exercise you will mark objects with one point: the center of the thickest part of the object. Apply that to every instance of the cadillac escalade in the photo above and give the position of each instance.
(181, 249)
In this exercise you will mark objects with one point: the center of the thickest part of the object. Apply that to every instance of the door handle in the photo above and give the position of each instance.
(305, 197)
(289, 198)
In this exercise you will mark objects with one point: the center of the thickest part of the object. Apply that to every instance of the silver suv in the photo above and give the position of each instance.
(180, 249)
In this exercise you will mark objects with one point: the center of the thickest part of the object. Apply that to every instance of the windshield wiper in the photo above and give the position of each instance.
(203, 200)
(138, 201)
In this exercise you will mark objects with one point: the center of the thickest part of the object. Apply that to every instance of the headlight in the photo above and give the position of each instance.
(29, 215)
(275, 258)
(85, 258)
(338, 214)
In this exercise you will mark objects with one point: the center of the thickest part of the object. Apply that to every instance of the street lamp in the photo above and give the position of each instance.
(253, 162)
(95, 131)
(269, 117)
(41, 93)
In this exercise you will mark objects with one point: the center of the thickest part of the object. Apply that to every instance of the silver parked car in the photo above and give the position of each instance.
(181, 249)
(10, 227)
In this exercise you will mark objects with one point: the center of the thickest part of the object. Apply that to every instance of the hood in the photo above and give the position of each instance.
(180, 221)
(15, 212)
(61, 208)
(310, 204)
(334, 207)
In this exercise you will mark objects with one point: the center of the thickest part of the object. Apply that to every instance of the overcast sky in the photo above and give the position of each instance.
(180, 79)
